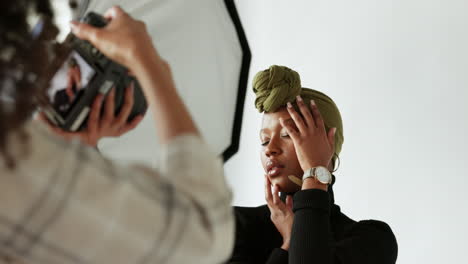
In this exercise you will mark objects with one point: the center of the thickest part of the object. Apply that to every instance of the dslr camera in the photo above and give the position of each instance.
(83, 73)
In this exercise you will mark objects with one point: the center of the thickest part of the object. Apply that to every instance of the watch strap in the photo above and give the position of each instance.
(311, 173)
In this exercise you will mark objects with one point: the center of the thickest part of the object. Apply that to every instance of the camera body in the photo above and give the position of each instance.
(85, 74)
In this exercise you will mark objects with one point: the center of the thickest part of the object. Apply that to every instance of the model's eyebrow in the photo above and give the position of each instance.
(285, 121)
(262, 131)
(288, 120)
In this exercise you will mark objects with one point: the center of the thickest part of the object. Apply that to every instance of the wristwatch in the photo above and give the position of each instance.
(320, 173)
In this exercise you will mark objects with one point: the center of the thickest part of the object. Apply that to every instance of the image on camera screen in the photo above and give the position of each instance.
(69, 83)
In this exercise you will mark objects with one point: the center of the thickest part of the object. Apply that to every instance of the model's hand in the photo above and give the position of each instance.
(314, 146)
(107, 125)
(124, 39)
(282, 215)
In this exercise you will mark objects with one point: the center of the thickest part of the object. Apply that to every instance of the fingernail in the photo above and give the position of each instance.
(312, 102)
(299, 98)
(334, 130)
(289, 105)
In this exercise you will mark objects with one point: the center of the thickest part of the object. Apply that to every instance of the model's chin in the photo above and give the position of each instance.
(285, 185)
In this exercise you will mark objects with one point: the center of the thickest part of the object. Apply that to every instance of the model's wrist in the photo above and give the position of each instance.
(312, 183)
(309, 165)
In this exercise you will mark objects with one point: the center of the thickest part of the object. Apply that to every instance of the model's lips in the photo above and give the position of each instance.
(274, 168)
(274, 172)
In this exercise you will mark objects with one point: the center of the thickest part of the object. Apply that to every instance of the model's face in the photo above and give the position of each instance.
(278, 154)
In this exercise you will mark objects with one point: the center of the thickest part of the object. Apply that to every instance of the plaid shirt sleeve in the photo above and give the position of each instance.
(65, 203)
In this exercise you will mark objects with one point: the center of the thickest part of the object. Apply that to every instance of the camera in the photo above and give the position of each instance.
(84, 73)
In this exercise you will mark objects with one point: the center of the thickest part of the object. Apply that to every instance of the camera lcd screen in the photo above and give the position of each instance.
(69, 83)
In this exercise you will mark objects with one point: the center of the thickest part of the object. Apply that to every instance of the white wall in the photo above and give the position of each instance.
(398, 70)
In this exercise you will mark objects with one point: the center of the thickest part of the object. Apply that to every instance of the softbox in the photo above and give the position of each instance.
(205, 45)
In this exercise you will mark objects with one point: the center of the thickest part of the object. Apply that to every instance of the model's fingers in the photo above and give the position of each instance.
(109, 108)
(132, 124)
(268, 195)
(297, 119)
(317, 116)
(94, 116)
(289, 202)
(126, 108)
(276, 199)
(307, 115)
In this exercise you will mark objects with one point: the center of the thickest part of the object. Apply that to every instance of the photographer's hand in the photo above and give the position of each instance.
(107, 125)
(127, 41)
(124, 39)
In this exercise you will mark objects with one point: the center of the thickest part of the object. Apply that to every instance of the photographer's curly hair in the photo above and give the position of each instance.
(20, 64)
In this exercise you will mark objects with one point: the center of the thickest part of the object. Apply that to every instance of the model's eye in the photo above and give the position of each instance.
(285, 135)
(265, 143)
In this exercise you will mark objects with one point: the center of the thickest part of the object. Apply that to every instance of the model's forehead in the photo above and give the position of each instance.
(271, 121)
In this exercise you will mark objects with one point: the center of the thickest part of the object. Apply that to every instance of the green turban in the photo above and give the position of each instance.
(276, 86)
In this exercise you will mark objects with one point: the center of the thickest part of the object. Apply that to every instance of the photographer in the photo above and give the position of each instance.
(62, 202)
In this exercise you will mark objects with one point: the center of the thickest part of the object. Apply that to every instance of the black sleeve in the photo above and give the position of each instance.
(278, 256)
(312, 241)
(255, 237)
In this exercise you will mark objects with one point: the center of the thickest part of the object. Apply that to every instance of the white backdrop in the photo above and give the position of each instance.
(398, 71)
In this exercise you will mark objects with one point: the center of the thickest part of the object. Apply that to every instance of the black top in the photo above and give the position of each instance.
(320, 234)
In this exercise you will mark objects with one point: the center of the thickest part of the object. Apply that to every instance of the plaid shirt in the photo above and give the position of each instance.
(65, 203)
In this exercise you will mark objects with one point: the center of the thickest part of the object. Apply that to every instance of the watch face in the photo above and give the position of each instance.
(323, 175)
